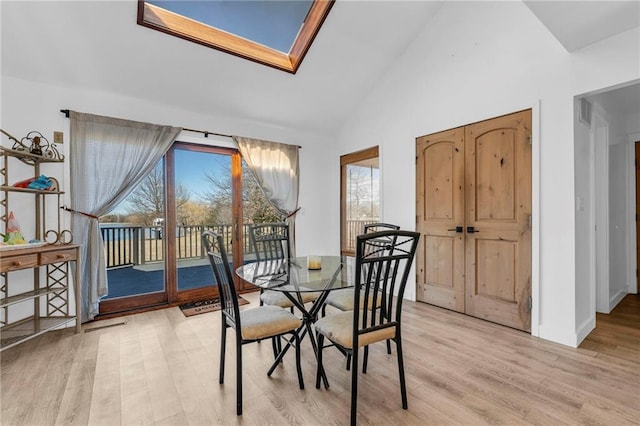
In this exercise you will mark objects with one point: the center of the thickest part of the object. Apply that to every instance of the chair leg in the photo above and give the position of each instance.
(348, 362)
(389, 346)
(403, 388)
(274, 344)
(298, 367)
(354, 386)
(365, 359)
(223, 344)
(320, 341)
(238, 376)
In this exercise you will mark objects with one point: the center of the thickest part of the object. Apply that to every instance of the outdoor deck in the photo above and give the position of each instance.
(135, 280)
(135, 256)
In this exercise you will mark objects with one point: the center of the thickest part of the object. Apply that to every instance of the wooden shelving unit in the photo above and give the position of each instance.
(48, 298)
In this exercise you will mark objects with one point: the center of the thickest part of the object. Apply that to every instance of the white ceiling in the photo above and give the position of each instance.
(98, 45)
(620, 101)
(577, 24)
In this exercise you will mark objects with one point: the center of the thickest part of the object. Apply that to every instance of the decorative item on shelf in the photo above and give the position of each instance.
(13, 235)
(41, 183)
(36, 144)
(35, 148)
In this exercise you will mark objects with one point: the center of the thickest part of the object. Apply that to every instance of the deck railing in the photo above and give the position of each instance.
(355, 228)
(138, 245)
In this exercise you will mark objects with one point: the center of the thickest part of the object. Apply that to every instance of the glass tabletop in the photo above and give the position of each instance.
(293, 274)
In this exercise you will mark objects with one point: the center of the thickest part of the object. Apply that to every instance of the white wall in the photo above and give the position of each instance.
(497, 58)
(601, 130)
(618, 232)
(585, 217)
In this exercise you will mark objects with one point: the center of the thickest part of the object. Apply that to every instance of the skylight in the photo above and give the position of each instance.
(276, 33)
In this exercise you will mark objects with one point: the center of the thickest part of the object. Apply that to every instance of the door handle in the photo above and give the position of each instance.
(458, 229)
(471, 230)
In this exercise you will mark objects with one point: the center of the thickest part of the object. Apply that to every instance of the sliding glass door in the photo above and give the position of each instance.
(152, 239)
(204, 196)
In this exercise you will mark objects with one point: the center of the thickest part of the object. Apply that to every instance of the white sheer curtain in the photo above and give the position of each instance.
(276, 168)
(109, 157)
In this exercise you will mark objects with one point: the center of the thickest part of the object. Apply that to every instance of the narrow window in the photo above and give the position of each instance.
(359, 195)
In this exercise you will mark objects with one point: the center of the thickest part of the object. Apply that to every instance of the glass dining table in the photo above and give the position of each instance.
(293, 277)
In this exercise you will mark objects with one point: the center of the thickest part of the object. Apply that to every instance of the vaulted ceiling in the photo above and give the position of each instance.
(97, 45)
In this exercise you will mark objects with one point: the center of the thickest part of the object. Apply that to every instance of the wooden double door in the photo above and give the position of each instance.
(474, 214)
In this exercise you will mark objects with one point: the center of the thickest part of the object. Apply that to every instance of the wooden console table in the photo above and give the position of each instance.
(53, 292)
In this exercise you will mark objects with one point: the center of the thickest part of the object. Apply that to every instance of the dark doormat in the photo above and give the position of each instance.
(204, 306)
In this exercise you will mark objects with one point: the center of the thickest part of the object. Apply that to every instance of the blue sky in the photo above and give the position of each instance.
(191, 167)
(273, 23)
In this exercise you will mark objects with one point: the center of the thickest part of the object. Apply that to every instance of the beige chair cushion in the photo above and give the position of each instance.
(343, 299)
(278, 298)
(339, 329)
(267, 321)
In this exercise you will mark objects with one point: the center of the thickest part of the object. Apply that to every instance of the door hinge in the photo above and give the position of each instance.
(529, 303)
(530, 139)
(530, 221)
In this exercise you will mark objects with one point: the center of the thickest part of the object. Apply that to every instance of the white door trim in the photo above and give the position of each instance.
(600, 135)
(632, 278)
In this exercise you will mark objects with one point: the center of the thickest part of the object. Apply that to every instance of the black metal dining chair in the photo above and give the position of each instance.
(343, 299)
(250, 325)
(270, 241)
(383, 270)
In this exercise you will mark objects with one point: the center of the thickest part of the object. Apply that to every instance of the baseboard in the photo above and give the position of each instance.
(617, 298)
(585, 328)
(554, 334)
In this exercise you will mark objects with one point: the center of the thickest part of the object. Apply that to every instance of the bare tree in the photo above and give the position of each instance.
(255, 207)
(147, 202)
(361, 200)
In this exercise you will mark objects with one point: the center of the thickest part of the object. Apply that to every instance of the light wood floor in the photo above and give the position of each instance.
(162, 368)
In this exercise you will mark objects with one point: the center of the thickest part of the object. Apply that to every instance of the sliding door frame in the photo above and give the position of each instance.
(171, 296)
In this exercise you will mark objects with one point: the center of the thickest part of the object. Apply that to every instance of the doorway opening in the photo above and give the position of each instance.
(606, 188)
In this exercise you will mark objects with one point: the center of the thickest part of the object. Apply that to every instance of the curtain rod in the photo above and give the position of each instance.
(206, 133)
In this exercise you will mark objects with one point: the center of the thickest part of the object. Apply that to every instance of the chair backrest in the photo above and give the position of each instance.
(214, 246)
(270, 241)
(379, 226)
(383, 263)
(386, 241)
